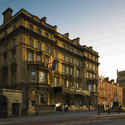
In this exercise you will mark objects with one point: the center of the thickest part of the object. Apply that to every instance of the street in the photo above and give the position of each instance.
(63, 118)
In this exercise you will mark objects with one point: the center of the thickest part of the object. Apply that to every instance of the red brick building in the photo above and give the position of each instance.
(106, 91)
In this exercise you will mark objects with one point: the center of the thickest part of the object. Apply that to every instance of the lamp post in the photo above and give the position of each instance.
(37, 101)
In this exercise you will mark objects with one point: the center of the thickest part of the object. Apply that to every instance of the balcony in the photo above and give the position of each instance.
(35, 63)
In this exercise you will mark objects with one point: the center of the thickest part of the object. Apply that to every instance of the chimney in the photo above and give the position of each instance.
(66, 35)
(112, 81)
(91, 47)
(43, 19)
(7, 14)
(55, 28)
(106, 79)
(76, 40)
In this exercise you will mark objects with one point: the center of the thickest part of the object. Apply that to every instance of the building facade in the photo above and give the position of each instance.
(121, 82)
(106, 90)
(26, 45)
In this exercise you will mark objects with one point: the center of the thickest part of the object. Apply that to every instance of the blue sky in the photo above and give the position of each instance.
(98, 23)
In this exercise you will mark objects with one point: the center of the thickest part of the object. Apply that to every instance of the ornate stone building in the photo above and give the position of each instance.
(26, 44)
(121, 82)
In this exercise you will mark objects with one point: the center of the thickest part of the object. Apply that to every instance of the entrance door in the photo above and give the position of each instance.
(15, 108)
(3, 106)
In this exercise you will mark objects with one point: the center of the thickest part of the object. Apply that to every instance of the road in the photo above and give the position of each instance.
(59, 118)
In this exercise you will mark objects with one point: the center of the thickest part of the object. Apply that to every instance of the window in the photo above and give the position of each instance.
(38, 58)
(89, 87)
(46, 35)
(91, 75)
(71, 71)
(63, 57)
(119, 96)
(43, 97)
(30, 42)
(91, 57)
(67, 70)
(87, 74)
(91, 66)
(77, 52)
(77, 62)
(55, 54)
(42, 77)
(63, 82)
(94, 76)
(88, 55)
(77, 85)
(95, 58)
(67, 59)
(51, 37)
(30, 27)
(14, 26)
(30, 57)
(94, 88)
(103, 85)
(14, 41)
(63, 69)
(39, 45)
(77, 73)
(67, 47)
(71, 60)
(14, 57)
(46, 48)
(55, 82)
(67, 83)
(95, 68)
(39, 31)
(32, 75)
(71, 49)
(87, 65)
(56, 66)
(63, 45)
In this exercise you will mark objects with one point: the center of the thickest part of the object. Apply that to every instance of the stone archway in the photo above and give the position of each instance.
(3, 106)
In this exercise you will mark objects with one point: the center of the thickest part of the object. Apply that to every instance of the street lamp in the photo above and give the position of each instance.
(37, 101)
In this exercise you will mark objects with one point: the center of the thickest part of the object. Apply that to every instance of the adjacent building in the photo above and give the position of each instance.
(26, 45)
(106, 90)
(121, 82)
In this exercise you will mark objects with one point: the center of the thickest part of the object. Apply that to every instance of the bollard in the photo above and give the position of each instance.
(109, 111)
(98, 111)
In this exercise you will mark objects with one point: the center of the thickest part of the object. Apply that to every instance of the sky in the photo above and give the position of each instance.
(98, 23)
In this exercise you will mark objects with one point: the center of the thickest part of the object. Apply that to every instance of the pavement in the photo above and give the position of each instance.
(61, 118)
